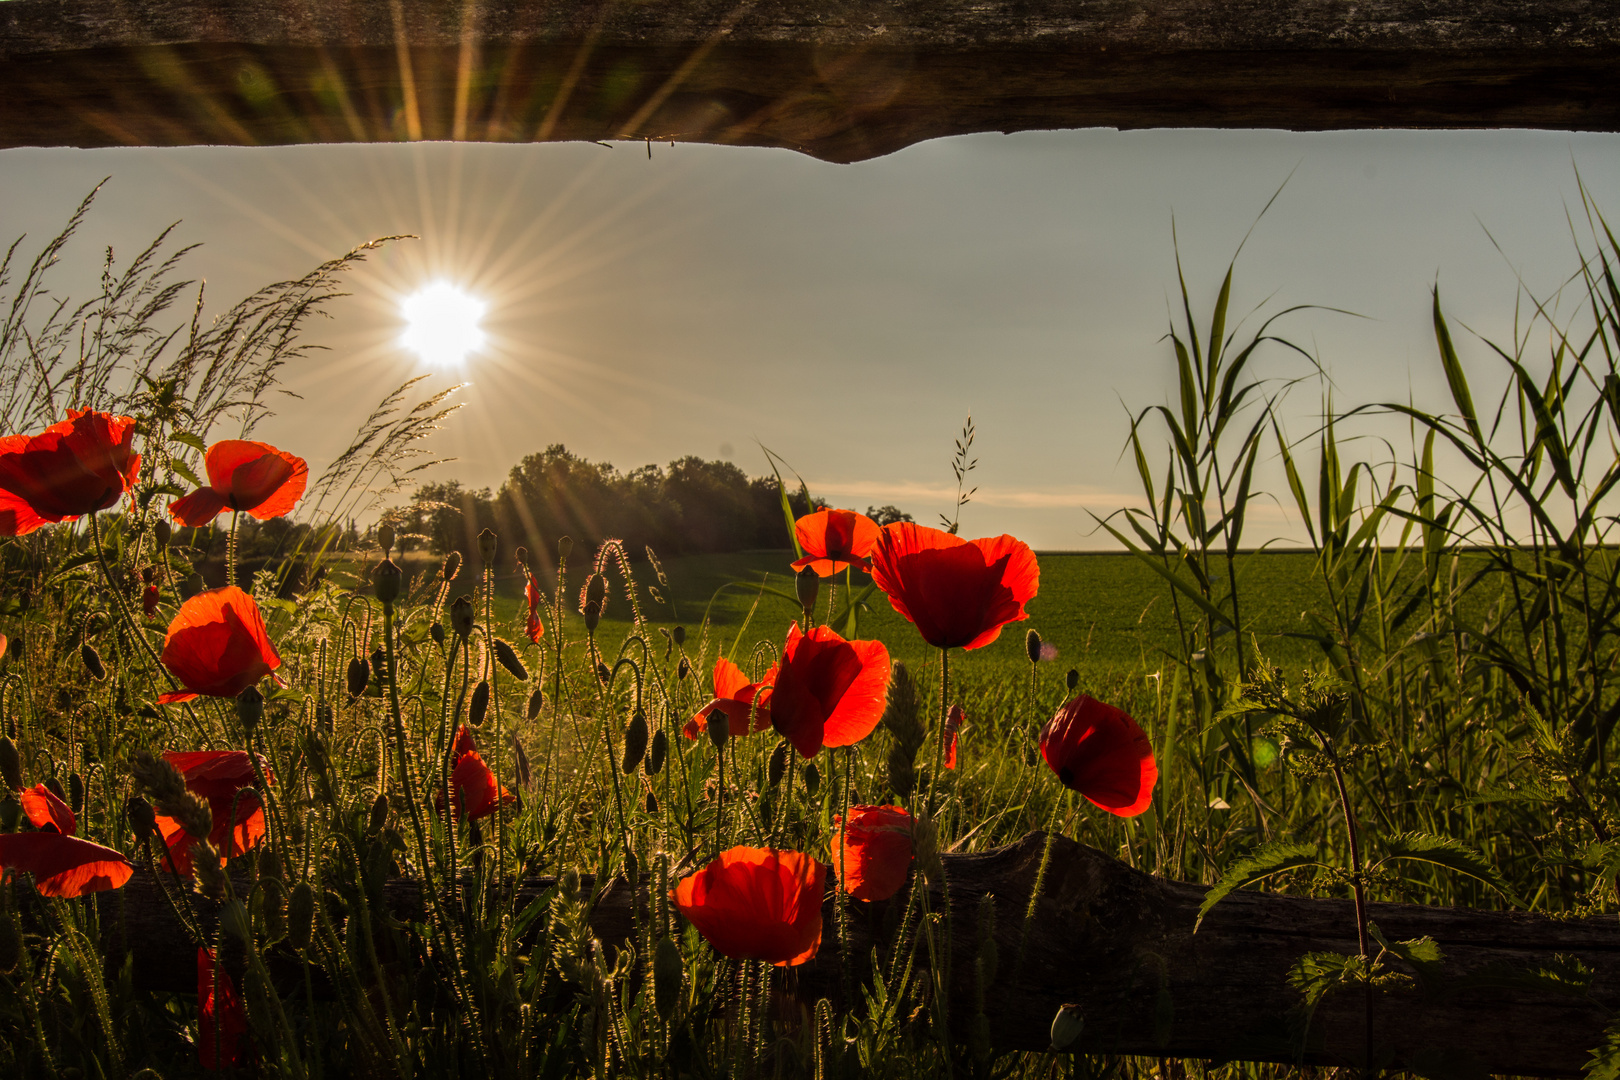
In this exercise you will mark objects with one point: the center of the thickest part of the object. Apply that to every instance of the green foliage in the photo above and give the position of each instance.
(1276, 857)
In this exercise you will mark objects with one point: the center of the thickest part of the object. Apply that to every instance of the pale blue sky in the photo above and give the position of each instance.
(850, 316)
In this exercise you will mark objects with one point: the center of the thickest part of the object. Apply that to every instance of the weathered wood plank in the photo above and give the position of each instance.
(840, 79)
(1119, 943)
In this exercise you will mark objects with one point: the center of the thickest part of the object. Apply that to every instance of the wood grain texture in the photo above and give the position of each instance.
(840, 79)
(1120, 944)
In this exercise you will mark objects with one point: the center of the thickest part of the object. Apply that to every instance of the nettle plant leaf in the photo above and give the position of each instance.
(1423, 955)
(1452, 854)
(1265, 861)
(1315, 975)
(1563, 974)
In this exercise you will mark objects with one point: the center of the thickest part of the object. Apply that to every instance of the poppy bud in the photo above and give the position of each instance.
(679, 634)
(379, 814)
(54, 786)
(508, 659)
(385, 538)
(149, 601)
(358, 675)
(148, 574)
(300, 916)
(593, 616)
(565, 548)
(273, 907)
(1073, 679)
(596, 590)
(1032, 646)
(651, 804)
(521, 556)
(452, 566)
(635, 741)
(141, 817)
(480, 703)
(486, 547)
(778, 763)
(812, 779)
(10, 942)
(250, 708)
(683, 669)
(323, 717)
(92, 661)
(537, 701)
(1066, 1027)
(603, 675)
(658, 752)
(269, 864)
(161, 533)
(386, 579)
(76, 793)
(521, 764)
(436, 632)
(807, 583)
(667, 972)
(719, 728)
(461, 616)
(10, 764)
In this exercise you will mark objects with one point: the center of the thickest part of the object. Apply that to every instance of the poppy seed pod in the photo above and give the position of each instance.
(486, 547)
(250, 707)
(480, 704)
(657, 753)
(300, 916)
(436, 632)
(635, 741)
(1072, 679)
(679, 634)
(161, 532)
(385, 538)
(386, 579)
(461, 616)
(379, 814)
(719, 728)
(565, 548)
(593, 616)
(452, 566)
(507, 657)
(141, 817)
(92, 661)
(10, 764)
(807, 583)
(537, 701)
(667, 972)
(1032, 646)
(148, 574)
(1066, 1027)
(359, 674)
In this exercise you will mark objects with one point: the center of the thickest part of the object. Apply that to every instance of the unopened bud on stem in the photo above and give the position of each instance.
(250, 708)
(486, 548)
(461, 616)
(386, 580)
(807, 584)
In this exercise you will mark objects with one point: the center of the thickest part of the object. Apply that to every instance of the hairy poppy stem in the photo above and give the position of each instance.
(230, 549)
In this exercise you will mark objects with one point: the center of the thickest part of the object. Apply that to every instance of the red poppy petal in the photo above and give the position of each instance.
(860, 707)
(1103, 753)
(176, 697)
(757, 903)
(64, 866)
(877, 849)
(227, 766)
(281, 478)
(198, 508)
(221, 1019)
(728, 678)
(44, 808)
(217, 645)
(228, 455)
(17, 517)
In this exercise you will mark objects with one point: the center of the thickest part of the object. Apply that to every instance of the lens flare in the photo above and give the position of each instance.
(441, 324)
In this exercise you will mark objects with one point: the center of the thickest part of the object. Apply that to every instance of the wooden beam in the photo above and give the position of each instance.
(842, 80)
(1120, 944)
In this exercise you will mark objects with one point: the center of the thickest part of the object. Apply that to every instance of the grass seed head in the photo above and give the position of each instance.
(162, 783)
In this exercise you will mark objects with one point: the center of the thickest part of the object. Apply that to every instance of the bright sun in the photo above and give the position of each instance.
(441, 324)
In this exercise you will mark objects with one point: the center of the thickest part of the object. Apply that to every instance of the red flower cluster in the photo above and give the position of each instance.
(956, 592)
(62, 864)
(77, 467)
(1103, 754)
(246, 476)
(829, 692)
(873, 854)
(224, 780)
(738, 698)
(217, 646)
(756, 904)
(835, 539)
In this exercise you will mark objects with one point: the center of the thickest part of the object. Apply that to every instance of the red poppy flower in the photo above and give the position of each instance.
(738, 698)
(76, 467)
(756, 904)
(473, 786)
(221, 1020)
(953, 725)
(877, 845)
(531, 592)
(464, 744)
(217, 646)
(64, 865)
(242, 475)
(45, 810)
(1103, 754)
(223, 779)
(829, 692)
(955, 591)
(834, 539)
(149, 601)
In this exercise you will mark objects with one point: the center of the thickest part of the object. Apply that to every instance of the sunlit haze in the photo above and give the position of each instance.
(442, 324)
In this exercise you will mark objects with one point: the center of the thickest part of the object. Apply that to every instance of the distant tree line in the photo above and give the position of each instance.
(688, 507)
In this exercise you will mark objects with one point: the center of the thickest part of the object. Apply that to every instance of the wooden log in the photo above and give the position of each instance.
(842, 80)
(1120, 945)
